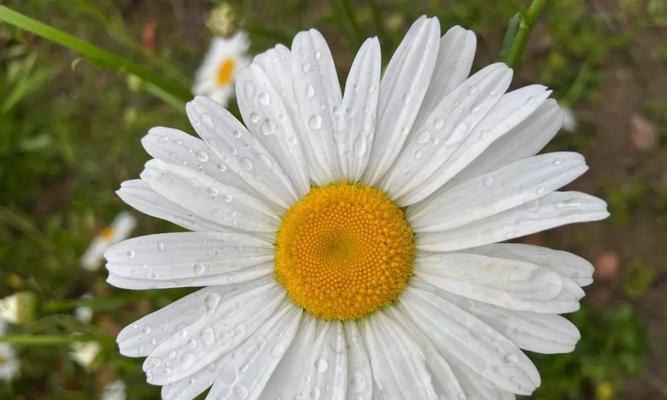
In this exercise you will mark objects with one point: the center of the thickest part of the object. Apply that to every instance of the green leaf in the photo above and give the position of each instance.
(94, 54)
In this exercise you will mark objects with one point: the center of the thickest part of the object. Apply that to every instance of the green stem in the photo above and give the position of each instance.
(44, 340)
(513, 50)
(93, 53)
(348, 21)
(98, 303)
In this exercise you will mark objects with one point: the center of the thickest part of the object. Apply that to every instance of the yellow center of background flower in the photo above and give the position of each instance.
(344, 251)
(224, 74)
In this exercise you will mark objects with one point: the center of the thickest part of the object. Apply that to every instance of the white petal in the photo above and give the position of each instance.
(325, 374)
(228, 322)
(143, 336)
(176, 147)
(512, 108)
(357, 113)
(475, 386)
(142, 197)
(402, 90)
(494, 280)
(360, 377)
(542, 333)
(287, 375)
(209, 198)
(240, 150)
(566, 264)
(489, 194)
(446, 128)
(399, 367)
(524, 140)
(244, 372)
(455, 55)
(264, 111)
(445, 382)
(317, 92)
(186, 255)
(555, 209)
(471, 341)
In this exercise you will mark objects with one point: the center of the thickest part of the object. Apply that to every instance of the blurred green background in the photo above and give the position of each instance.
(69, 134)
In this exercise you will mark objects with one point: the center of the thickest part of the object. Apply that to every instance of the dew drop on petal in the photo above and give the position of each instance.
(202, 155)
(315, 121)
(264, 99)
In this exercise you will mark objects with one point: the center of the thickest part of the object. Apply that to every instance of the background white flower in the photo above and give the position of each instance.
(120, 229)
(226, 56)
(9, 363)
(457, 153)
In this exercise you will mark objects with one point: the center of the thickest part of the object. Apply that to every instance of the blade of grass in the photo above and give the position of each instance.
(96, 55)
(516, 37)
(344, 15)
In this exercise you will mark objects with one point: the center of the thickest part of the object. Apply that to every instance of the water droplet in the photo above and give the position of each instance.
(206, 120)
(557, 161)
(247, 164)
(358, 382)
(146, 330)
(264, 99)
(510, 358)
(472, 90)
(488, 181)
(305, 67)
(458, 134)
(310, 92)
(131, 254)
(172, 354)
(160, 246)
(317, 54)
(187, 360)
(254, 117)
(241, 392)
(321, 365)
(212, 191)
(227, 198)
(315, 393)
(530, 100)
(418, 154)
(211, 302)
(266, 160)
(266, 128)
(208, 337)
(222, 167)
(424, 138)
(439, 123)
(202, 156)
(229, 376)
(540, 190)
(315, 121)
(199, 268)
(475, 108)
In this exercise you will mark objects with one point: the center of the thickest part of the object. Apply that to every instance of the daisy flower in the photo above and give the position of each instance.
(120, 229)
(225, 58)
(347, 240)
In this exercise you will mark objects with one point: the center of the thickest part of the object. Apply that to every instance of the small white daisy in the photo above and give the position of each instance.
(114, 391)
(347, 240)
(120, 229)
(9, 364)
(84, 353)
(225, 58)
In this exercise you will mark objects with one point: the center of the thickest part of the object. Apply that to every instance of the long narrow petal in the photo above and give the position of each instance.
(455, 55)
(494, 192)
(555, 209)
(399, 366)
(142, 197)
(510, 110)
(143, 336)
(360, 376)
(228, 323)
(567, 264)
(317, 92)
(264, 111)
(402, 91)
(539, 332)
(209, 198)
(289, 371)
(325, 375)
(471, 341)
(445, 382)
(357, 113)
(240, 150)
(244, 372)
(446, 128)
(522, 141)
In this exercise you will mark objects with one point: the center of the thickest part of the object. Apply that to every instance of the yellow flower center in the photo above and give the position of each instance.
(224, 73)
(344, 251)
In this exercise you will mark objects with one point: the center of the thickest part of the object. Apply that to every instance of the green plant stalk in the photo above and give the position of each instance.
(348, 21)
(512, 55)
(93, 53)
(45, 340)
(98, 303)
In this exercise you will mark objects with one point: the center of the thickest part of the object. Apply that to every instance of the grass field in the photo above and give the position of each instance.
(70, 131)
